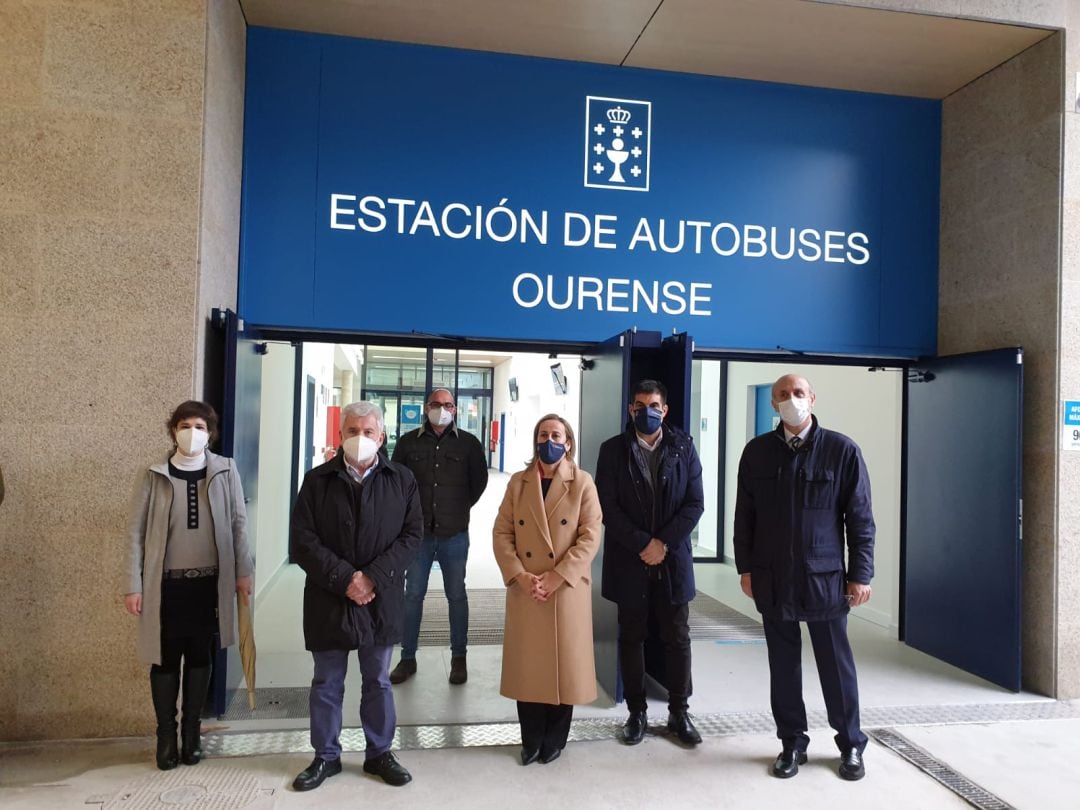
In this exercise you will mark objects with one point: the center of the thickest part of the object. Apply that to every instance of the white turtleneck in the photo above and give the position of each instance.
(188, 463)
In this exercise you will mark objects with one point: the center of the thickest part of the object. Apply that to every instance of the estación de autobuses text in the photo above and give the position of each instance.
(502, 223)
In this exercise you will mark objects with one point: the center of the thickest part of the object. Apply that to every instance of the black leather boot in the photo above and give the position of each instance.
(196, 682)
(164, 689)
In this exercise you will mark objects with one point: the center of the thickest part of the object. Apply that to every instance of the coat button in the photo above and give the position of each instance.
(521, 523)
(564, 521)
(528, 553)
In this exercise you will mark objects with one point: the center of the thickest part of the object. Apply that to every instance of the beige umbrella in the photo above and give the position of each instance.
(247, 644)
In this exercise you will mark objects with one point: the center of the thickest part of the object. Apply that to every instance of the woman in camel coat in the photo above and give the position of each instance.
(546, 535)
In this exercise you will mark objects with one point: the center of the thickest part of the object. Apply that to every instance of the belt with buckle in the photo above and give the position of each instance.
(191, 573)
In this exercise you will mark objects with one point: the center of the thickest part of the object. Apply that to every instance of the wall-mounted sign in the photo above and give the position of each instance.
(393, 188)
(1070, 431)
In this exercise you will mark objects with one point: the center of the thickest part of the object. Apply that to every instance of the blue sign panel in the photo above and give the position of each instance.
(398, 188)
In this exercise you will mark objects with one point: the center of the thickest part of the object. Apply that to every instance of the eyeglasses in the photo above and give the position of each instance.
(448, 405)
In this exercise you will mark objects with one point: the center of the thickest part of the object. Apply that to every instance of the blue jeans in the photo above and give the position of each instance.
(452, 554)
(377, 714)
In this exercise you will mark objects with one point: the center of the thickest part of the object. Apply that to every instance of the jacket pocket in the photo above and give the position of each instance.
(824, 584)
(818, 490)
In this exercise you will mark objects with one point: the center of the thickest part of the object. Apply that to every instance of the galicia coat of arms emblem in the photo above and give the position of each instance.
(618, 137)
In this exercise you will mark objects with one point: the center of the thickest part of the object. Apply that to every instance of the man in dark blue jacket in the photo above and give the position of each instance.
(355, 528)
(801, 490)
(649, 482)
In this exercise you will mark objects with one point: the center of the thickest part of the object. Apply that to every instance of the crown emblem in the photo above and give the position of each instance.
(617, 115)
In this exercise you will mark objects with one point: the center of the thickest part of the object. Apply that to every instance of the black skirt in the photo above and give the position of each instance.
(189, 607)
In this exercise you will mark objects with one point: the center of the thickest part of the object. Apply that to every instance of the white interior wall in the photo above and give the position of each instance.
(275, 462)
(318, 362)
(536, 397)
(863, 405)
(706, 431)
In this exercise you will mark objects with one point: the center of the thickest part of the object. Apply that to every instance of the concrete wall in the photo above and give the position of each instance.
(998, 285)
(102, 117)
(1067, 647)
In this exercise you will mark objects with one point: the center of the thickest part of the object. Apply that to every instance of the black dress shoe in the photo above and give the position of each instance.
(459, 673)
(387, 768)
(680, 724)
(549, 756)
(316, 773)
(787, 764)
(851, 765)
(529, 755)
(633, 731)
(404, 670)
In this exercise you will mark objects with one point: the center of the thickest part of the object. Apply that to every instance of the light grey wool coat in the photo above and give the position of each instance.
(149, 532)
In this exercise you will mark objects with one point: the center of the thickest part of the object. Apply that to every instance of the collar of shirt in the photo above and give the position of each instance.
(427, 428)
(650, 447)
(788, 435)
(358, 476)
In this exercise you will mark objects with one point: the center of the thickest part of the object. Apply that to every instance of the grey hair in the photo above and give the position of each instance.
(362, 409)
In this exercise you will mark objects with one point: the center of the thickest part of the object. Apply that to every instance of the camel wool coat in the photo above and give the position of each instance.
(548, 646)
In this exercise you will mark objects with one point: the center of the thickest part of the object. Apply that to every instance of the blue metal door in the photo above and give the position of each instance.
(962, 539)
(605, 380)
(609, 371)
(240, 408)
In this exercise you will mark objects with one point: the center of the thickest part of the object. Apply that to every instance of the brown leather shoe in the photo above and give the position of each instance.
(404, 670)
(458, 672)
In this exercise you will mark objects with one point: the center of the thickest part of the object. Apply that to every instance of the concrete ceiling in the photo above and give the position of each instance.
(791, 41)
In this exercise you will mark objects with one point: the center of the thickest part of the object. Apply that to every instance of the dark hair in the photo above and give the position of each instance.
(570, 438)
(193, 409)
(649, 387)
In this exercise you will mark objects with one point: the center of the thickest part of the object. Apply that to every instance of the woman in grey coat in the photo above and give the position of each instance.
(187, 553)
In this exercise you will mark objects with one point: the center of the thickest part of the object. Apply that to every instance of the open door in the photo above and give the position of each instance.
(239, 410)
(962, 541)
(605, 379)
(609, 369)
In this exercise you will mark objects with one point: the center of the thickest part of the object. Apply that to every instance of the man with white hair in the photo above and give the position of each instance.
(355, 528)
(803, 494)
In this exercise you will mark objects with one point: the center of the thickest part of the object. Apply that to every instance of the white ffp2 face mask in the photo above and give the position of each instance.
(794, 411)
(440, 417)
(192, 441)
(359, 449)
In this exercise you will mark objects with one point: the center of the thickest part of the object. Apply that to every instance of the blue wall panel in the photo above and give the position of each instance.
(329, 115)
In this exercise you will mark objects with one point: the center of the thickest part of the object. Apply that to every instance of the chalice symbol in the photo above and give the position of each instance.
(617, 155)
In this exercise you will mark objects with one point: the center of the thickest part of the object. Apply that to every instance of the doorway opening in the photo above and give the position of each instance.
(500, 395)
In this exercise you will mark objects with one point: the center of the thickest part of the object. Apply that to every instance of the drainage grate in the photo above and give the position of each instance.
(922, 759)
(710, 725)
(271, 703)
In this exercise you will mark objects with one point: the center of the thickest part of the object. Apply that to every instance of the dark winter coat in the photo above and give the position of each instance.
(339, 527)
(451, 471)
(633, 515)
(793, 510)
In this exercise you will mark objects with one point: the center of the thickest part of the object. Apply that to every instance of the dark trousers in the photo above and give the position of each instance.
(377, 713)
(836, 669)
(672, 623)
(544, 726)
